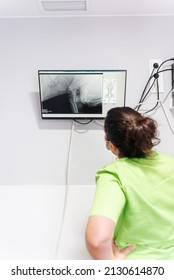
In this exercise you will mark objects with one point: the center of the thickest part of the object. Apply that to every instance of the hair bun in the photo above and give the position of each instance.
(132, 133)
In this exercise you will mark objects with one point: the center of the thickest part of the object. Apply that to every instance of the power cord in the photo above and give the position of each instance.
(66, 193)
(57, 251)
(83, 123)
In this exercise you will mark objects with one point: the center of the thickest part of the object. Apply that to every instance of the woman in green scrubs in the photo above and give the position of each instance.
(132, 215)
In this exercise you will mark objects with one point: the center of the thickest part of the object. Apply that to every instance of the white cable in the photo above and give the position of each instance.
(57, 251)
(170, 91)
(66, 194)
(165, 114)
(149, 102)
(163, 109)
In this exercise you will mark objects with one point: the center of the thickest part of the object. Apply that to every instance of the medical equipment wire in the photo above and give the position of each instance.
(57, 251)
(154, 76)
(142, 98)
(83, 122)
(161, 103)
(157, 101)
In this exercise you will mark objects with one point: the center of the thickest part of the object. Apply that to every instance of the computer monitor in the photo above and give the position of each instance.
(80, 94)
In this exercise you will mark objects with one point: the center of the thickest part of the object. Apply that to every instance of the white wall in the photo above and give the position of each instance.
(33, 152)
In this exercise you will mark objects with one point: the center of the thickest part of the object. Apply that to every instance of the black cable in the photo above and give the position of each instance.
(164, 70)
(152, 108)
(157, 83)
(82, 122)
(148, 92)
(164, 62)
(146, 95)
(155, 76)
(155, 65)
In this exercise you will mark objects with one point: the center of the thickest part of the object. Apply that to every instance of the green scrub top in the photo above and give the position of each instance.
(138, 195)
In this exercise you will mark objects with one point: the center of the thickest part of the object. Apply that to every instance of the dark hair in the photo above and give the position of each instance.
(133, 134)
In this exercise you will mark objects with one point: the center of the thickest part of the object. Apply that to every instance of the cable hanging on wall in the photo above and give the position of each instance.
(159, 102)
(154, 76)
(66, 193)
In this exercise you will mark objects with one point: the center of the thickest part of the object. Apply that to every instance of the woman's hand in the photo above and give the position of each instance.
(121, 254)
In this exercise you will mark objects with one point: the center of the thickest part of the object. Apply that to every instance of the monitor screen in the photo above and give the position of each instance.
(80, 94)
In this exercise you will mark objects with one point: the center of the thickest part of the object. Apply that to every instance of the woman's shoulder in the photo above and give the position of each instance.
(123, 163)
(112, 168)
(163, 155)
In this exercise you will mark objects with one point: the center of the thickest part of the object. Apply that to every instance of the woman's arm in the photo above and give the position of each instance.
(99, 240)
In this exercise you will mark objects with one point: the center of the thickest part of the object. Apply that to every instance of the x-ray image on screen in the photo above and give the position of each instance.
(80, 94)
(72, 94)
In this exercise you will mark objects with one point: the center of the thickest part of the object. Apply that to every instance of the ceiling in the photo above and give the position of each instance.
(34, 8)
